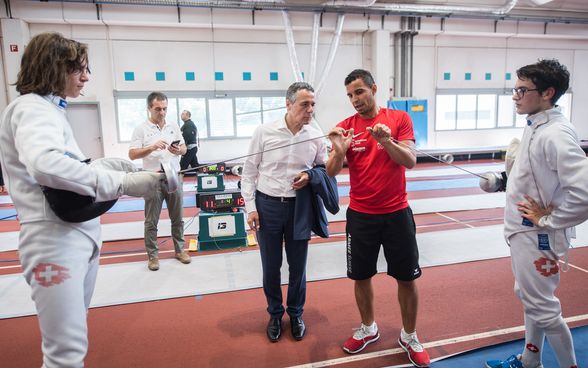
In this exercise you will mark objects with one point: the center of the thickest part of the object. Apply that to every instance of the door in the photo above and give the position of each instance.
(84, 119)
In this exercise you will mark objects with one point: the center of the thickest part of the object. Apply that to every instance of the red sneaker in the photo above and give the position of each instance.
(416, 352)
(360, 339)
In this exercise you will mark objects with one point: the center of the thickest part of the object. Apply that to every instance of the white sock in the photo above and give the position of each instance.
(408, 336)
(534, 337)
(560, 339)
(371, 329)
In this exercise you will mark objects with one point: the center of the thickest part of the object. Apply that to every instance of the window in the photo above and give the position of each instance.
(197, 108)
(506, 111)
(446, 108)
(133, 111)
(221, 117)
(486, 111)
(274, 108)
(217, 116)
(466, 112)
(130, 112)
(482, 109)
(248, 113)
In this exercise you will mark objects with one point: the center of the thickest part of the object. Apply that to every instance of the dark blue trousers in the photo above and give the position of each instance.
(276, 221)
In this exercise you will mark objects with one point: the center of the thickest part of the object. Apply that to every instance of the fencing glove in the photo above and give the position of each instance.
(142, 183)
(493, 182)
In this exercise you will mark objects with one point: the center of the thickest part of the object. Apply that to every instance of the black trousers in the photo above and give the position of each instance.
(189, 159)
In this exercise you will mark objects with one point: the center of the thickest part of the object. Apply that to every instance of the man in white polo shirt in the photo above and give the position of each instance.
(156, 141)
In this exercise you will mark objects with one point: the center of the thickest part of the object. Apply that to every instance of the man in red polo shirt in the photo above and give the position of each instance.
(378, 144)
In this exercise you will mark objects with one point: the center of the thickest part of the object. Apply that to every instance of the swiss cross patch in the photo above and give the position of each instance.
(49, 274)
(546, 266)
(532, 348)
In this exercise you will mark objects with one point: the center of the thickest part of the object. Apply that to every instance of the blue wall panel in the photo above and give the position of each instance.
(417, 109)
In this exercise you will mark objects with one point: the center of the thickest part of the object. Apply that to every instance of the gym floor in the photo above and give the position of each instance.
(211, 313)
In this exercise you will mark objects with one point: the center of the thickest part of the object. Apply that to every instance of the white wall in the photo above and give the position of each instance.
(146, 39)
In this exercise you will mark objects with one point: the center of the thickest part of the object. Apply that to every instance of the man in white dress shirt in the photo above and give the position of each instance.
(268, 185)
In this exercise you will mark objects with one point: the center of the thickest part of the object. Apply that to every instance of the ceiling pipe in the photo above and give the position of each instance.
(350, 3)
(422, 8)
(364, 7)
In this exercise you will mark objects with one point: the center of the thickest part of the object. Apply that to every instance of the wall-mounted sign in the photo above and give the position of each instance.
(13, 48)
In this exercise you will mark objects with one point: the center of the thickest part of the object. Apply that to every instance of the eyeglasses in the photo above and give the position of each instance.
(520, 92)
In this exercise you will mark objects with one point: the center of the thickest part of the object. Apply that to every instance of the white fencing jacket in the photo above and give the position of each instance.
(37, 147)
(552, 168)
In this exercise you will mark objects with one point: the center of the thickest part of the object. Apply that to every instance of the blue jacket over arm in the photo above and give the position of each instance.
(311, 201)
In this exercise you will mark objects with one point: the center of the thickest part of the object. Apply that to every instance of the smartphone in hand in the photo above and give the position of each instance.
(175, 143)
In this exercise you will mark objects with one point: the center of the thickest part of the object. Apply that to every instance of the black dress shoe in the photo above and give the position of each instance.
(274, 329)
(298, 327)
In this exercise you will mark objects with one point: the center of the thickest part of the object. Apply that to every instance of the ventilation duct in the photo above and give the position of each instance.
(332, 53)
(291, 47)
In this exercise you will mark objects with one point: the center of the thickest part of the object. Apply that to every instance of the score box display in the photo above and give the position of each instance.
(215, 201)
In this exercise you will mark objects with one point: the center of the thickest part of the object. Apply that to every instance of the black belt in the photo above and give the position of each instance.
(281, 199)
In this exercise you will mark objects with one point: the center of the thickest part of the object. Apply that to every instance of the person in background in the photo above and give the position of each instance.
(190, 134)
(268, 184)
(546, 196)
(156, 141)
(38, 151)
(378, 144)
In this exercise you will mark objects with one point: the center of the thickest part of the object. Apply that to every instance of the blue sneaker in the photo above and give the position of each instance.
(514, 361)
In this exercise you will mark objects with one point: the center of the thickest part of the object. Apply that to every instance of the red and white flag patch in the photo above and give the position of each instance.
(49, 274)
(532, 348)
(546, 267)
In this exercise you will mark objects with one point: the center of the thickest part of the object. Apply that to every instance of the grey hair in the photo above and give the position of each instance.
(295, 87)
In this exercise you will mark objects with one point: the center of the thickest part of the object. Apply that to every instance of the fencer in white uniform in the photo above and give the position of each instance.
(546, 196)
(37, 148)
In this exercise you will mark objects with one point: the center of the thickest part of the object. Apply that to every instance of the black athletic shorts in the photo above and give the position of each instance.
(395, 231)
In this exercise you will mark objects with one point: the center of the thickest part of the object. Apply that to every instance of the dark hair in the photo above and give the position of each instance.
(160, 96)
(295, 87)
(46, 62)
(545, 74)
(362, 74)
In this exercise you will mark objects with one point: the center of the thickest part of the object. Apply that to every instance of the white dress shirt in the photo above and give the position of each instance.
(273, 172)
(148, 133)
